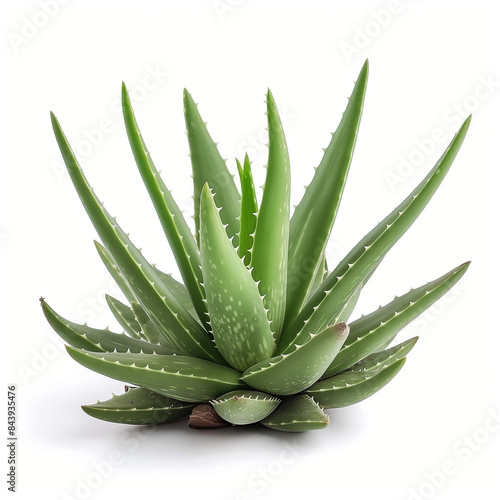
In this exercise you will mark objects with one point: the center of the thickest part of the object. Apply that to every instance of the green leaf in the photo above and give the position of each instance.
(115, 272)
(92, 339)
(296, 414)
(270, 248)
(179, 235)
(237, 315)
(314, 216)
(372, 332)
(326, 303)
(180, 329)
(179, 377)
(139, 406)
(293, 372)
(148, 328)
(351, 387)
(245, 407)
(179, 291)
(209, 167)
(379, 360)
(320, 276)
(249, 209)
(125, 316)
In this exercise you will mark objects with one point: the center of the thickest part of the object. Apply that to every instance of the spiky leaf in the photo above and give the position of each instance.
(125, 316)
(245, 407)
(382, 359)
(320, 276)
(291, 373)
(179, 235)
(372, 332)
(148, 329)
(248, 217)
(270, 248)
(209, 167)
(296, 414)
(112, 268)
(179, 291)
(181, 330)
(139, 406)
(237, 315)
(314, 216)
(351, 387)
(179, 377)
(92, 339)
(328, 301)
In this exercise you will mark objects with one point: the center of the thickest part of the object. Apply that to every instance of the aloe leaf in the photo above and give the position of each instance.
(92, 339)
(179, 235)
(380, 360)
(249, 208)
(181, 330)
(372, 332)
(328, 300)
(115, 272)
(320, 276)
(179, 291)
(351, 387)
(270, 248)
(179, 377)
(293, 372)
(125, 316)
(245, 407)
(148, 328)
(139, 406)
(296, 414)
(209, 167)
(314, 216)
(238, 318)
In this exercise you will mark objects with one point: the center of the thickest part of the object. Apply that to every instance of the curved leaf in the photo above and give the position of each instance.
(179, 235)
(139, 406)
(112, 268)
(291, 373)
(125, 316)
(179, 377)
(351, 387)
(245, 407)
(209, 167)
(270, 248)
(237, 315)
(297, 414)
(249, 209)
(313, 219)
(372, 332)
(326, 303)
(92, 339)
(180, 329)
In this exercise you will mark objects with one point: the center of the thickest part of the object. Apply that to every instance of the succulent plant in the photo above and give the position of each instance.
(258, 331)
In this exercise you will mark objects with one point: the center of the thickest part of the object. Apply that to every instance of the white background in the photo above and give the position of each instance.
(429, 61)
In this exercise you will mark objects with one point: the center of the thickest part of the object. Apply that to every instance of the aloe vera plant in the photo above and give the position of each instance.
(258, 331)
